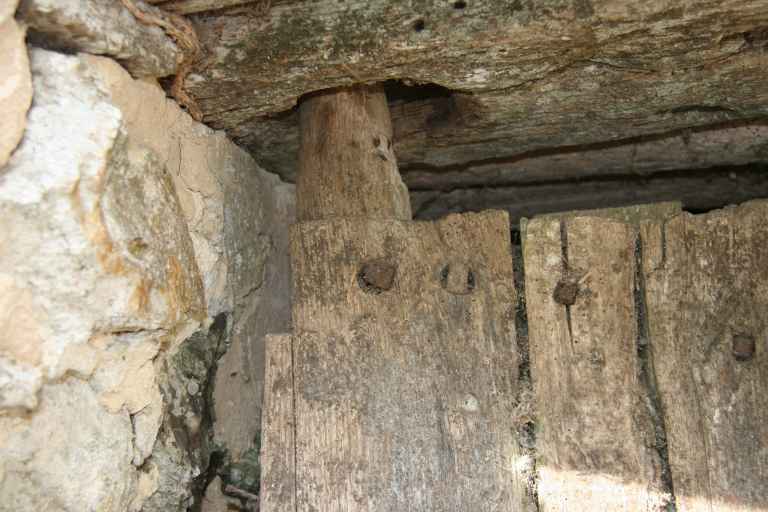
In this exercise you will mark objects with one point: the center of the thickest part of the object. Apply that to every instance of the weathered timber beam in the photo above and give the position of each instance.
(526, 76)
(735, 143)
(346, 164)
(484, 47)
(697, 190)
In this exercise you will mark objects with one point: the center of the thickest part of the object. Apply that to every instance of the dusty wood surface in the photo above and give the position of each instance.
(594, 434)
(632, 215)
(528, 76)
(707, 295)
(347, 166)
(405, 392)
(277, 433)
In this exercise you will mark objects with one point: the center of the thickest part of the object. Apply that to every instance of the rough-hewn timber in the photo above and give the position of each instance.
(527, 76)
(707, 294)
(698, 191)
(595, 437)
(405, 396)
(347, 167)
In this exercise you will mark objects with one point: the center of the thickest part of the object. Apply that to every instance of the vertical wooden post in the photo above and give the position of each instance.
(404, 361)
(347, 167)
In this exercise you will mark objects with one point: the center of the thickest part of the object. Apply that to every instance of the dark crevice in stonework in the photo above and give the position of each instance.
(407, 91)
(240, 479)
(193, 368)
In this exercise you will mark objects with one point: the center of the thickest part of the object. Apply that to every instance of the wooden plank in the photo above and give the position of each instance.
(594, 434)
(706, 280)
(277, 428)
(405, 387)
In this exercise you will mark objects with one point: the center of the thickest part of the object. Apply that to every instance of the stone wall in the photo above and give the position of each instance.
(142, 258)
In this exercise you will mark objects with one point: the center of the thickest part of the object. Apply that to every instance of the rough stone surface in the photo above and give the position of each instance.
(238, 217)
(184, 444)
(261, 308)
(523, 77)
(16, 89)
(102, 27)
(93, 237)
(111, 209)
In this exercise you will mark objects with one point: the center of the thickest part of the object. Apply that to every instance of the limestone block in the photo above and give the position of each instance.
(102, 27)
(238, 217)
(226, 199)
(71, 455)
(112, 208)
(99, 283)
(16, 87)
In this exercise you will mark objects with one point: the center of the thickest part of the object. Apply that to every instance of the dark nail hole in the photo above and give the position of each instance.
(565, 292)
(460, 284)
(376, 276)
(459, 5)
(419, 25)
(743, 347)
(376, 141)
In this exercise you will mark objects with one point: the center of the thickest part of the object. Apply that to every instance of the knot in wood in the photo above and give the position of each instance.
(376, 276)
(743, 347)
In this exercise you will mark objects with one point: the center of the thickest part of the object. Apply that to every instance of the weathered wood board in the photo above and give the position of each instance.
(278, 454)
(706, 281)
(594, 434)
(405, 383)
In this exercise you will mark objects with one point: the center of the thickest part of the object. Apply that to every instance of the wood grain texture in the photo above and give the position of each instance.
(195, 6)
(404, 398)
(347, 167)
(706, 282)
(594, 433)
(697, 190)
(527, 75)
(278, 453)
